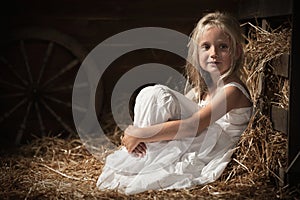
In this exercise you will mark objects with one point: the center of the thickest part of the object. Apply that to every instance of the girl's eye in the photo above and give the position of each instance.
(223, 46)
(205, 46)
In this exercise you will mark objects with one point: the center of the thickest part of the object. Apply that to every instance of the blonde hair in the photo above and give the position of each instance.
(198, 78)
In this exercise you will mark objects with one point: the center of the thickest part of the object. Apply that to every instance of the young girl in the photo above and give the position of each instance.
(177, 141)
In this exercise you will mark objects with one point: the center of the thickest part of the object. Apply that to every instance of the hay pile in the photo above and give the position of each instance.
(54, 168)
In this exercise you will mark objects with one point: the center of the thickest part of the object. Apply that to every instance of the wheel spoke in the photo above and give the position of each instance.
(12, 84)
(19, 94)
(69, 66)
(53, 113)
(11, 111)
(15, 73)
(39, 116)
(23, 125)
(23, 51)
(68, 104)
(45, 61)
(68, 87)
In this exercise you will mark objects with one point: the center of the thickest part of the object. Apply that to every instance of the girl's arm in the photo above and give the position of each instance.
(164, 131)
(225, 100)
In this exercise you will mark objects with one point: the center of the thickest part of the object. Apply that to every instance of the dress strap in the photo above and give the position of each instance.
(239, 86)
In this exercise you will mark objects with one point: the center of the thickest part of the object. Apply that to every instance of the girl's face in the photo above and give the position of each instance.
(214, 51)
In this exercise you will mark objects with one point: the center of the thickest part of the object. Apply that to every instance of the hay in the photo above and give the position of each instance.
(262, 46)
(55, 168)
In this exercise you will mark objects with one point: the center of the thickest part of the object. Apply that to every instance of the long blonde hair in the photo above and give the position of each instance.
(198, 78)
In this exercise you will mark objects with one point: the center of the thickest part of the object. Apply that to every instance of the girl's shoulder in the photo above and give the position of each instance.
(238, 83)
(234, 79)
(239, 87)
(242, 100)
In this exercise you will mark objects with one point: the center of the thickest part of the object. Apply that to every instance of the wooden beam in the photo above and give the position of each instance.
(264, 8)
(281, 65)
(279, 117)
(293, 170)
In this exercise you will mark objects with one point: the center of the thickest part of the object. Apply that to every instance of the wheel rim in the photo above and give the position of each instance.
(39, 68)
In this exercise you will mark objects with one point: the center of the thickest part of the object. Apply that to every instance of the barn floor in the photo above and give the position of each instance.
(53, 168)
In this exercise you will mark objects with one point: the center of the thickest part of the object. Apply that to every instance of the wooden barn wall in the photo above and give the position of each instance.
(283, 120)
(293, 170)
(92, 21)
(89, 23)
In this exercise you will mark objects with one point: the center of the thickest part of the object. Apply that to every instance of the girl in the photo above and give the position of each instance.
(177, 141)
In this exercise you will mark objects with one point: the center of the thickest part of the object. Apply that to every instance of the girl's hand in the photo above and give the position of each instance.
(132, 142)
(140, 150)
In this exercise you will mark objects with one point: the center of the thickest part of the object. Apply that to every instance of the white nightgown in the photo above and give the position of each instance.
(178, 163)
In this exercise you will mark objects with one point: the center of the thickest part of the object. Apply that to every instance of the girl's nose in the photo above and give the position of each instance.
(213, 52)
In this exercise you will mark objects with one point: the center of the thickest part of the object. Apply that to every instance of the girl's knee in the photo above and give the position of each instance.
(156, 94)
(136, 96)
(155, 104)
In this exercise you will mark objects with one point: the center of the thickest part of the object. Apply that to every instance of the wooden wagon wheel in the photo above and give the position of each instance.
(38, 69)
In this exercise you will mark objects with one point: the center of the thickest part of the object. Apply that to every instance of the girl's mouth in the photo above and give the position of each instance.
(213, 63)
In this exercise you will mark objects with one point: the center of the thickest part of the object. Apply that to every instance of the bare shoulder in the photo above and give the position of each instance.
(238, 97)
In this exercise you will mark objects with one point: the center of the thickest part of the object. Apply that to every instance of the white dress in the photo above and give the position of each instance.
(178, 163)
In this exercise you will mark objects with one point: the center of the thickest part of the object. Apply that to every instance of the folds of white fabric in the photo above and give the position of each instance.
(177, 163)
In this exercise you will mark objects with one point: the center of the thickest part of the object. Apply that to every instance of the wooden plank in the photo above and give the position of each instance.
(281, 65)
(293, 172)
(264, 8)
(279, 117)
(117, 9)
